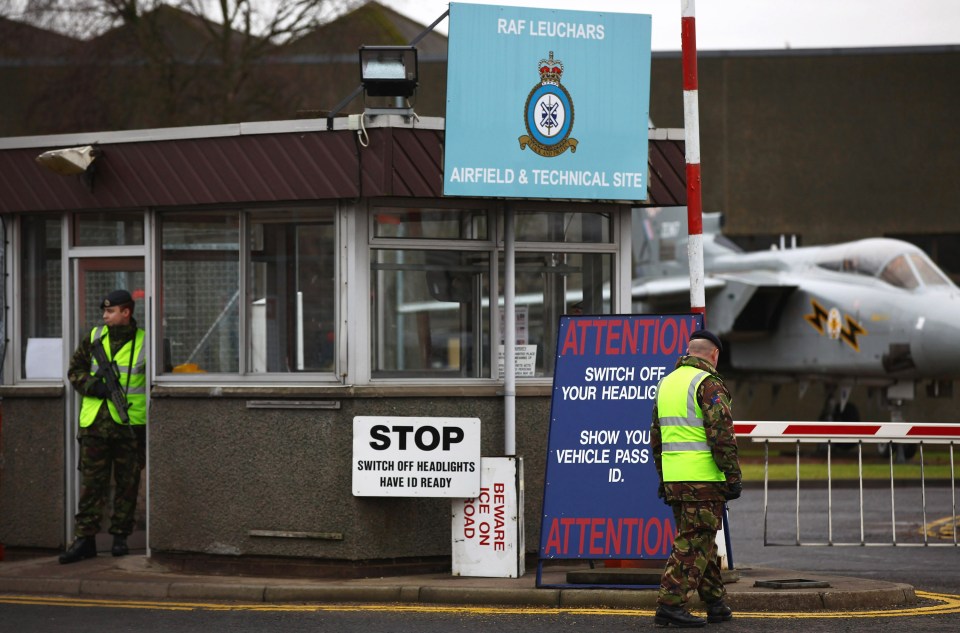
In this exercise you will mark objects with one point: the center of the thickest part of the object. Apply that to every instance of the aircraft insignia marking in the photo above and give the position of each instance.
(830, 324)
(834, 323)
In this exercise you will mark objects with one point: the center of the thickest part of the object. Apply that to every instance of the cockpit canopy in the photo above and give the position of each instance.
(898, 263)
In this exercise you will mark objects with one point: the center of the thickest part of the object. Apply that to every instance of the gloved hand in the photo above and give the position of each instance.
(98, 389)
(662, 493)
(733, 491)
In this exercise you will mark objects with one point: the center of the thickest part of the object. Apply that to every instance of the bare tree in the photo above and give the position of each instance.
(244, 33)
(152, 63)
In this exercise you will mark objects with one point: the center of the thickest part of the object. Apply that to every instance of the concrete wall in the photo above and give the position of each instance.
(219, 469)
(830, 145)
(32, 468)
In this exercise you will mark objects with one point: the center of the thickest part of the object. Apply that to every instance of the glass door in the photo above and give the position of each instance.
(96, 277)
(93, 279)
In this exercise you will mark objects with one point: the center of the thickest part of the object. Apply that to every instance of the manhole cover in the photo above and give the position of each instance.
(792, 583)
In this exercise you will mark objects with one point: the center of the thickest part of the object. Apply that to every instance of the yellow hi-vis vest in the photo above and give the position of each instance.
(685, 455)
(133, 377)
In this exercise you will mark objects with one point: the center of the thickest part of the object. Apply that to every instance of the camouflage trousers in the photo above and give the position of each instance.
(98, 458)
(693, 565)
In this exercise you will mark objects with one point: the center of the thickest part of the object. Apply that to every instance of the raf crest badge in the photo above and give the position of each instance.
(548, 113)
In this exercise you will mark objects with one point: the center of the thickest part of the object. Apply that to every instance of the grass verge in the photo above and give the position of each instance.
(788, 472)
(783, 464)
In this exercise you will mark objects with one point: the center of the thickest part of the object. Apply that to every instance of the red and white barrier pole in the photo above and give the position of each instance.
(691, 127)
(931, 432)
(691, 138)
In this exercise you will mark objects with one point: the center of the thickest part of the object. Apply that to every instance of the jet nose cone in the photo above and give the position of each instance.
(936, 335)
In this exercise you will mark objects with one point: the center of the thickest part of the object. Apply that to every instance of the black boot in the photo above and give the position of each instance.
(83, 547)
(119, 545)
(718, 612)
(677, 616)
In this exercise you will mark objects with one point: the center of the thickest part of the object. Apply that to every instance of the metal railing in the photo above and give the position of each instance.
(893, 436)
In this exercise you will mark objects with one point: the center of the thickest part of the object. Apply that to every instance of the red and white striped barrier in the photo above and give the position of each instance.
(691, 135)
(850, 431)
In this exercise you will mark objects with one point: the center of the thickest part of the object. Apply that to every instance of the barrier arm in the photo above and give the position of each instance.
(861, 433)
(869, 432)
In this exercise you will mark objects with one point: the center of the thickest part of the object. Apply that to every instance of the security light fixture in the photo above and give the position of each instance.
(69, 161)
(73, 161)
(388, 71)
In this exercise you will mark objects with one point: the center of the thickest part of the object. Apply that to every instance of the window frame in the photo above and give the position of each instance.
(619, 218)
(333, 377)
(14, 361)
(372, 243)
(617, 215)
(354, 243)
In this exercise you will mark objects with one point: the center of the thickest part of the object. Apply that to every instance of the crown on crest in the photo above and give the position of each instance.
(551, 70)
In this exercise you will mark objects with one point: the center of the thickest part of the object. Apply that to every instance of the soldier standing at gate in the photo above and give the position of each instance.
(695, 452)
(112, 425)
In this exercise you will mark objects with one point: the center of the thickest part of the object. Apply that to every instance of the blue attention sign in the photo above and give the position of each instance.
(600, 493)
(545, 103)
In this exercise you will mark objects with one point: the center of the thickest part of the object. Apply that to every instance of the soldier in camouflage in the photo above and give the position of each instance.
(696, 478)
(105, 443)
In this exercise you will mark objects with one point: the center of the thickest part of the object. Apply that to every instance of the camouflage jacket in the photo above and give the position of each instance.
(716, 404)
(79, 376)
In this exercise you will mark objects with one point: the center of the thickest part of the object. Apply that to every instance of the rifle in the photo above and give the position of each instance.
(111, 376)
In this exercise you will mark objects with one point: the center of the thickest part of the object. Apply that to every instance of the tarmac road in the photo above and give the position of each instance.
(926, 568)
(85, 616)
(935, 567)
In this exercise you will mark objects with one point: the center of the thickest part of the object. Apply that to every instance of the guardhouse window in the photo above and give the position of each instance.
(291, 307)
(551, 284)
(564, 265)
(108, 229)
(41, 297)
(430, 272)
(200, 291)
(249, 292)
(432, 224)
(576, 227)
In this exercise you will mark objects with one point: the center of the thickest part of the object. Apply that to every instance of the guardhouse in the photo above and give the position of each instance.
(290, 278)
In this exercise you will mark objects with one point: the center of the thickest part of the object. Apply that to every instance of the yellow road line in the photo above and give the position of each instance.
(941, 528)
(945, 604)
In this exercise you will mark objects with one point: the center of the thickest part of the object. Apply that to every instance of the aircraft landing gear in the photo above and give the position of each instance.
(837, 408)
(902, 452)
(842, 411)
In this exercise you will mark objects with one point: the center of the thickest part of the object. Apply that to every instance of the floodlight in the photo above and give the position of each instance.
(69, 161)
(388, 71)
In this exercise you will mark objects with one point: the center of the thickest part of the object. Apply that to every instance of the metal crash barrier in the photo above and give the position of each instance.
(843, 503)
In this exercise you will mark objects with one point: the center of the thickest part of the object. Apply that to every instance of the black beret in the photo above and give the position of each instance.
(116, 298)
(708, 335)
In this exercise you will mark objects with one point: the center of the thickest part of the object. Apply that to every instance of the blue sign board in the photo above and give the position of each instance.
(600, 493)
(545, 103)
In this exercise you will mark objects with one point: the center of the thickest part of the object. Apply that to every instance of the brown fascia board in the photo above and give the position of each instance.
(275, 162)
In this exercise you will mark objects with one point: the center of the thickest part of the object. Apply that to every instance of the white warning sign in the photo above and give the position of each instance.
(416, 457)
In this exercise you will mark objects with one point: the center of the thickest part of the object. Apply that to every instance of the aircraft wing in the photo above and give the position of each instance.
(756, 278)
(751, 305)
(666, 295)
(669, 288)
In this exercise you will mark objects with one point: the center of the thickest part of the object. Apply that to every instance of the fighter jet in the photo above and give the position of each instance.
(875, 312)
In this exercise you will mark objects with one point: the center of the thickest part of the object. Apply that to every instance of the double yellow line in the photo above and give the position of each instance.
(943, 604)
(941, 528)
